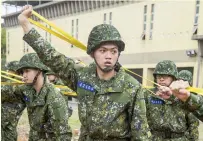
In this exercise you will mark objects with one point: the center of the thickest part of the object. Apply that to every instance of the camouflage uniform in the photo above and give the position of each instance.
(11, 110)
(58, 81)
(186, 76)
(108, 110)
(195, 105)
(168, 119)
(47, 110)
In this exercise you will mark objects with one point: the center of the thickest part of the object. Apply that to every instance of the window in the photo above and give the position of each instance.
(195, 28)
(104, 18)
(77, 22)
(197, 12)
(72, 30)
(144, 23)
(145, 17)
(151, 22)
(138, 71)
(110, 18)
(152, 8)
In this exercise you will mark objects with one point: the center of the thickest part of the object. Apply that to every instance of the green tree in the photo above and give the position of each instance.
(3, 48)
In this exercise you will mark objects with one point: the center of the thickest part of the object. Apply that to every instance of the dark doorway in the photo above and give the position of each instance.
(137, 71)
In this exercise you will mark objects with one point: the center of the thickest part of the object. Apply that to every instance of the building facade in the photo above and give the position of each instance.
(152, 30)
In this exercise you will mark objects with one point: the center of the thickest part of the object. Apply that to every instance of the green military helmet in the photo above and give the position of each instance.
(12, 66)
(50, 72)
(103, 33)
(31, 60)
(166, 67)
(186, 76)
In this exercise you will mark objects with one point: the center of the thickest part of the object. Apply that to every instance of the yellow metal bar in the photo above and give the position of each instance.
(12, 79)
(50, 31)
(73, 40)
(195, 90)
(70, 93)
(18, 76)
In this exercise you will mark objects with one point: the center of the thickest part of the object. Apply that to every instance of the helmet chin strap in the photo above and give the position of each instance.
(108, 69)
(105, 70)
(35, 79)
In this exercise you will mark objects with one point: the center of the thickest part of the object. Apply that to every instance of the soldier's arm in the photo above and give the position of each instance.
(6, 93)
(193, 123)
(195, 104)
(58, 62)
(64, 67)
(139, 125)
(58, 115)
(11, 94)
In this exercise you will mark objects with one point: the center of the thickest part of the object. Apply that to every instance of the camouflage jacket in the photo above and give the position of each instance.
(11, 112)
(62, 90)
(108, 110)
(169, 121)
(195, 105)
(47, 113)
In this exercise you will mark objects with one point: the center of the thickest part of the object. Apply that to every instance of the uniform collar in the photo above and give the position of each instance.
(114, 85)
(34, 99)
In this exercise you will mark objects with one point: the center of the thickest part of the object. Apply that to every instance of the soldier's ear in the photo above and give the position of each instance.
(92, 54)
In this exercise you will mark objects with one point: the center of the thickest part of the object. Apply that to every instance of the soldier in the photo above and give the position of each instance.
(57, 81)
(11, 110)
(111, 105)
(47, 111)
(166, 116)
(186, 76)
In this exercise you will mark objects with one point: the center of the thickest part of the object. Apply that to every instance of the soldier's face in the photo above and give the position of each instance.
(164, 80)
(29, 75)
(106, 57)
(51, 77)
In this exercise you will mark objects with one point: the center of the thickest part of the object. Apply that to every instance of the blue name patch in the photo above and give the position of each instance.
(26, 98)
(85, 86)
(156, 101)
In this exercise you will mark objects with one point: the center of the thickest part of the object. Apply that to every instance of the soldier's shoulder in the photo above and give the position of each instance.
(129, 80)
(53, 92)
(87, 70)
